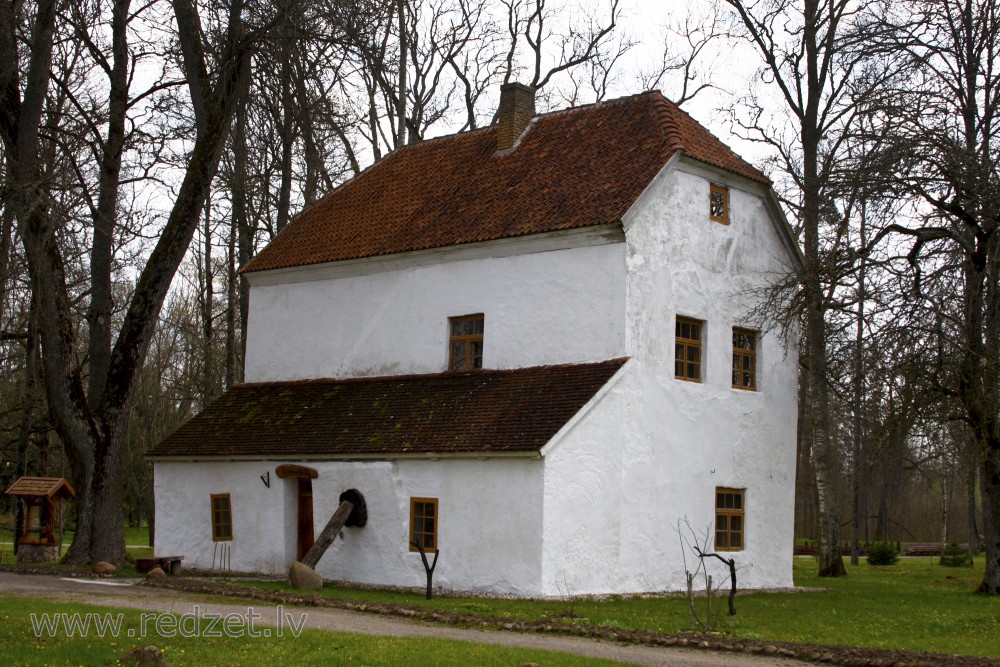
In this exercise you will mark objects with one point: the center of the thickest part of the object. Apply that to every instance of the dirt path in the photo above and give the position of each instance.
(104, 593)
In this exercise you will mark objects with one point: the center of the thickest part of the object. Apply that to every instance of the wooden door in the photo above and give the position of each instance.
(305, 531)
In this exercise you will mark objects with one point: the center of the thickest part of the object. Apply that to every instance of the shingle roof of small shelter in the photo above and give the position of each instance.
(580, 167)
(41, 487)
(482, 411)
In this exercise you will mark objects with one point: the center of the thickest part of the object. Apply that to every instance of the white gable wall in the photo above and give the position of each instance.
(372, 322)
(655, 448)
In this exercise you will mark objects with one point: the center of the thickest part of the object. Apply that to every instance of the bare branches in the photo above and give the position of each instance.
(698, 33)
(699, 544)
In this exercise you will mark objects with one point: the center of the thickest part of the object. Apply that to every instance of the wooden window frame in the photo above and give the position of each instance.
(216, 523)
(467, 340)
(729, 513)
(742, 357)
(433, 533)
(683, 345)
(714, 189)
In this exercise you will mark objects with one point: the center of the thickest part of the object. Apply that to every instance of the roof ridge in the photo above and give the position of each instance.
(721, 142)
(596, 105)
(664, 110)
(452, 135)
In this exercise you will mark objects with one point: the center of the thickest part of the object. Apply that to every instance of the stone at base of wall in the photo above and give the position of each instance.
(37, 553)
(304, 577)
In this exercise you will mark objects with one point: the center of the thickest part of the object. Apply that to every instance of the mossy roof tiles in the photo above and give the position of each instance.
(483, 411)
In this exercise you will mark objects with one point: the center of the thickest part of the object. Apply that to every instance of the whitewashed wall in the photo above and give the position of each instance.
(652, 452)
(182, 493)
(373, 322)
(489, 512)
(649, 453)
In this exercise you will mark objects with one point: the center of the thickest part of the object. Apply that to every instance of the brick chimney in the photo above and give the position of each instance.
(517, 108)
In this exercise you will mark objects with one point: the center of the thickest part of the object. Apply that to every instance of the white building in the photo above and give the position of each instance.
(528, 346)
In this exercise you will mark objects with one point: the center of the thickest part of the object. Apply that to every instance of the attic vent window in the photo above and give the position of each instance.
(718, 204)
(466, 342)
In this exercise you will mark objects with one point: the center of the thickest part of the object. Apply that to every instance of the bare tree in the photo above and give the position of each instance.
(813, 57)
(92, 423)
(946, 123)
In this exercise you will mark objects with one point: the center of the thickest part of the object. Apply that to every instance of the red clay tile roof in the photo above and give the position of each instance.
(575, 168)
(474, 412)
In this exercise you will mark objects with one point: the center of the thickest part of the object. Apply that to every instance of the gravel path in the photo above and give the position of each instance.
(110, 592)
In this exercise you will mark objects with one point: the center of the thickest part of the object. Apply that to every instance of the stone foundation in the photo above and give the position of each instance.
(37, 553)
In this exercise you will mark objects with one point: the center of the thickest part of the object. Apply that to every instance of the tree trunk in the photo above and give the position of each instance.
(27, 418)
(970, 498)
(6, 236)
(244, 234)
(401, 90)
(990, 490)
(207, 308)
(857, 466)
(231, 302)
(945, 501)
(831, 563)
(100, 519)
(99, 313)
(806, 508)
(287, 134)
(92, 425)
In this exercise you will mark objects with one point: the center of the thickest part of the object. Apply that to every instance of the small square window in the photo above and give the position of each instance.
(687, 349)
(718, 204)
(729, 519)
(744, 359)
(423, 523)
(465, 343)
(222, 518)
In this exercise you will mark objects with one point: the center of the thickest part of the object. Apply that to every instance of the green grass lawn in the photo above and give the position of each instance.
(916, 605)
(7, 553)
(22, 647)
(137, 537)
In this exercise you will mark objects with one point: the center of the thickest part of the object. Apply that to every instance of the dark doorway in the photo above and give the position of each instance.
(305, 528)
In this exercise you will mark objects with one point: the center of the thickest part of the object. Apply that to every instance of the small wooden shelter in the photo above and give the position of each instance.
(40, 497)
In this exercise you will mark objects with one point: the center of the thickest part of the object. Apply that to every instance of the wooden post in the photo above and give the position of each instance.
(428, 568)
(329, 534)
(690, 581)
(708, 605)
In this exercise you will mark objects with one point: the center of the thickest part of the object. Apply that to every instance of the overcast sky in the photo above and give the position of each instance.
(731, 67)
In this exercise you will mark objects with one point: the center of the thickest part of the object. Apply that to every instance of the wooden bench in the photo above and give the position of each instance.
(810, 550)
(922, 550)
(169, 564)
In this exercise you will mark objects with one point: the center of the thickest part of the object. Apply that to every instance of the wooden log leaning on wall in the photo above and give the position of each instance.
(329, 534)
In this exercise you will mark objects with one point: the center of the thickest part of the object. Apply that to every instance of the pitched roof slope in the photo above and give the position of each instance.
(575, 168)
(474, 412)
(41, 487)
